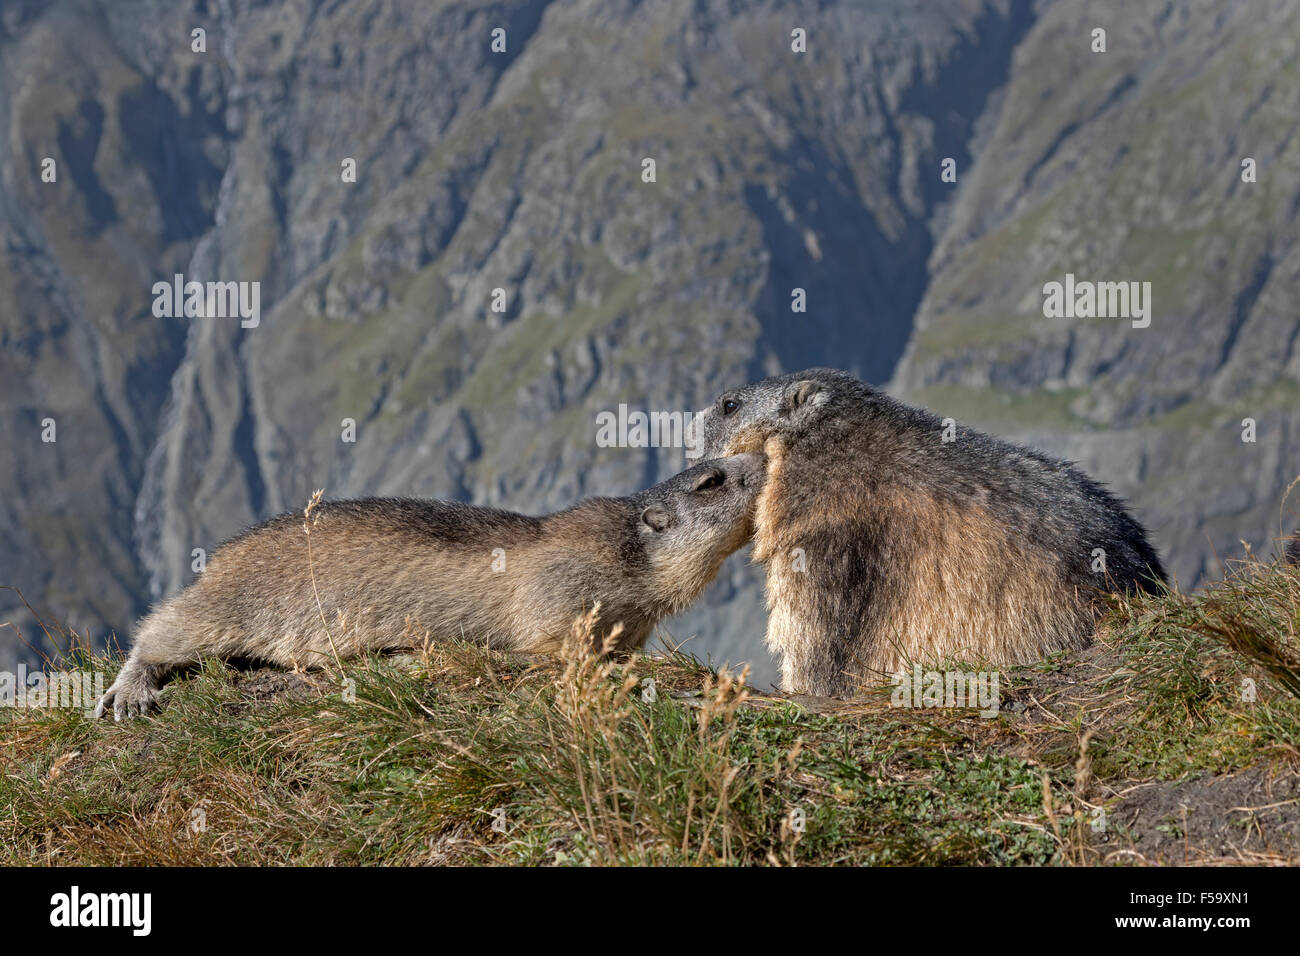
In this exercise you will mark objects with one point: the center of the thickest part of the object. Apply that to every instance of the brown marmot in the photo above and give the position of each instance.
(891, 536)
(384, 573)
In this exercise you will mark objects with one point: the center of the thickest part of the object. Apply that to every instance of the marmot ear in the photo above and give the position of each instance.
(656, 517)
(803, 395)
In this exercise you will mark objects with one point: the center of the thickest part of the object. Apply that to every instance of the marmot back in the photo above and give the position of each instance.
(889, 538)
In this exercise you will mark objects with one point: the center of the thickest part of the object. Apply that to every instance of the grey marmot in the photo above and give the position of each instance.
(383, 573)
(890, 535)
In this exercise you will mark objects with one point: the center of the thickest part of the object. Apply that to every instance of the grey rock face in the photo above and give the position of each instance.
(522, 171)
(1120, 166)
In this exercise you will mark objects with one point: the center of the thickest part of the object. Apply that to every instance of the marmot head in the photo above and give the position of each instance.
(690, 523)
(743, 419)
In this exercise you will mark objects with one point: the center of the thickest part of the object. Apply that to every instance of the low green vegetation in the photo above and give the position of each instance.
(1149, 747)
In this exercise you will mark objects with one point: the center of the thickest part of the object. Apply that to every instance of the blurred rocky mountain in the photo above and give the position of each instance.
(523, 170)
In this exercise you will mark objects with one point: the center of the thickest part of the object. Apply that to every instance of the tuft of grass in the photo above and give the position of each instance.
(1211, 681)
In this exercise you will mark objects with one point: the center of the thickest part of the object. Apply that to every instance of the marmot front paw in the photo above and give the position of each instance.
(133, 694)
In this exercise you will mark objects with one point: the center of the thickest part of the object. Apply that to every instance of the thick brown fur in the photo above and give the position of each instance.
(885, 545)
(384, 573)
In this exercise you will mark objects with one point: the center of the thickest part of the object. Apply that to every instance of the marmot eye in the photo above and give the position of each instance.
(712, 480)
(729, 406)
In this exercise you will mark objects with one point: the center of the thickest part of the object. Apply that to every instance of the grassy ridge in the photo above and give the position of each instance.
(1176, 738)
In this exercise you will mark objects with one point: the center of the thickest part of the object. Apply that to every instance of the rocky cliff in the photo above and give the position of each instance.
(517, 176)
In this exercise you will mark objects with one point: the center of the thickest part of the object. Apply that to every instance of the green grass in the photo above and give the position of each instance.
(578, 766)
(463, 755)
